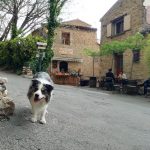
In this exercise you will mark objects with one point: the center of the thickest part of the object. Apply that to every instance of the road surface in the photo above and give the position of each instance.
(78, 119)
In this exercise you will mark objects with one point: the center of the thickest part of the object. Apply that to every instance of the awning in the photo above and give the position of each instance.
(68, 59)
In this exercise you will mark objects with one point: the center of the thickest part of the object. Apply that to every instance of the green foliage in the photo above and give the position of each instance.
(135, 42)
(55, 8)
(13, 31)
(147, 52)
(18, 52)
(113, 47)
(91, 52)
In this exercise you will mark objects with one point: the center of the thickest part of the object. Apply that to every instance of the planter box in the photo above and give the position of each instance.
(66, 80)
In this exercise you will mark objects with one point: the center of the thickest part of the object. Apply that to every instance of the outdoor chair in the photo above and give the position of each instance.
(148, 91)
(118, 87)
(131, 87)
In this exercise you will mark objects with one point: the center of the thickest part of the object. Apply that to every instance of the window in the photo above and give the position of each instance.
(118, 26)
(136, 56)
(66, 38)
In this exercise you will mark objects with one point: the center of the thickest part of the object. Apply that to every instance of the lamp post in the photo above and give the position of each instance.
(41, 53)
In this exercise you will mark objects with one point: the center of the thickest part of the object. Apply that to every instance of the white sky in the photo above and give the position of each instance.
(89, 11)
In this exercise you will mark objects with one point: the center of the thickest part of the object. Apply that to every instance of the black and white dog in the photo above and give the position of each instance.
(39, 94)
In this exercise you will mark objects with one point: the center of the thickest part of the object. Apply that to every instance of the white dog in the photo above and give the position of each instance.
(39, 94)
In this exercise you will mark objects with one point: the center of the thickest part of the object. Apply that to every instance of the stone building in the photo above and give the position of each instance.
(71, 38)
(123, 19)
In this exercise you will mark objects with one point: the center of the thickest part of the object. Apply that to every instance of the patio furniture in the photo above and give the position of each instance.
(148, 91)
(84, 82)
(131, 87)
(92, 82)
(118, 87)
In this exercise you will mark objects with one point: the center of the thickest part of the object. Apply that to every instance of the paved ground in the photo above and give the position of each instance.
(78, 119)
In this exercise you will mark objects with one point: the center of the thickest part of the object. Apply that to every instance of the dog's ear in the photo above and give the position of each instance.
(35, 82)
(49, 87)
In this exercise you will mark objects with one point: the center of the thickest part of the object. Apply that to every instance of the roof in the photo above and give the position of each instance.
(76, 22)
(115, 6)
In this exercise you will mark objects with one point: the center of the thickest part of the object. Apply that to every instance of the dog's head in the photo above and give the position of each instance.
(41, 90)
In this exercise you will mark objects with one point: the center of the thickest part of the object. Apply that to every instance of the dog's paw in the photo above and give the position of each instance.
(43, 121)
(33, 120)
(46, 112)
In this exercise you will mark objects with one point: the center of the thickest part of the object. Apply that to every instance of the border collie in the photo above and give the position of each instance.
(39, 95)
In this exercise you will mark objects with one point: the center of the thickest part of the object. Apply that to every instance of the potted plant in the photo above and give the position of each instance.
(92, 53)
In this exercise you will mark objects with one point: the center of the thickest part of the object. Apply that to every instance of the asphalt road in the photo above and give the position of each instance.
(78, 119)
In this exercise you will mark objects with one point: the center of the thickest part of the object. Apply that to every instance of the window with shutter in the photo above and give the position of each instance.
(148, 14)
(118, 26)
(127, 22)
(109, 26)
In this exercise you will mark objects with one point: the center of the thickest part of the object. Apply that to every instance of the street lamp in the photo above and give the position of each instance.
(40, 53)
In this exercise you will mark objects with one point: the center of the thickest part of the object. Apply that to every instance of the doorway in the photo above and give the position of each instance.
(63, 66)
(118, 63)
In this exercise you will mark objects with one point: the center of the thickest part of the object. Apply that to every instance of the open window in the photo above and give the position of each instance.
(65, 38)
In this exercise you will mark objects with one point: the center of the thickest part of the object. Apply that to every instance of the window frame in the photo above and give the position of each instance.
(115, 23)
(136, 56)
(65, 38)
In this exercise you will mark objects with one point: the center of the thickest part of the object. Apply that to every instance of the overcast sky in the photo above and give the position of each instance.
(89, 11)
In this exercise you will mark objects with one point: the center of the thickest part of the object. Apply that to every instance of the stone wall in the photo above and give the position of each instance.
(80, 39)
(81, 36)
(136, 10)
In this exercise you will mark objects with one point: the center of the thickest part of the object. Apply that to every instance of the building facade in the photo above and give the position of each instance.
(123, 19)
(71, 38)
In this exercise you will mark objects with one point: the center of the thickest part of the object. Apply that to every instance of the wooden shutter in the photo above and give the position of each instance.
(109, 28)
(127, 22)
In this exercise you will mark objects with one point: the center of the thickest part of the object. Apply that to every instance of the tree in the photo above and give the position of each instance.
(135, 43)
(92, 53)
(19, 17)
(112, 48)
(147, 52)
(55, 7)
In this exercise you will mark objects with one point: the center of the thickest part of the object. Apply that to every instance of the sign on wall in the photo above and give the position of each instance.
(65, 51)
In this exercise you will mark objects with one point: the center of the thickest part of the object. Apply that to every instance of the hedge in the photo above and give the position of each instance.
(18, 52)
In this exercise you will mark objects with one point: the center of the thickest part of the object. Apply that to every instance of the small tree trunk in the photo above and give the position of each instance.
(93, 67)
(112, 61)
(131, 69)
(14, 23)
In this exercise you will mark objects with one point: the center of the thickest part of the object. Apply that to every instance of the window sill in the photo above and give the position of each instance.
(118, 34)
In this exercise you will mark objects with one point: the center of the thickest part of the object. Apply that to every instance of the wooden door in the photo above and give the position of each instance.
(118, 63)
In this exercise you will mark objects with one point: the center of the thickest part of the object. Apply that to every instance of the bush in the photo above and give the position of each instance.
(147, 53)
(18, 52)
